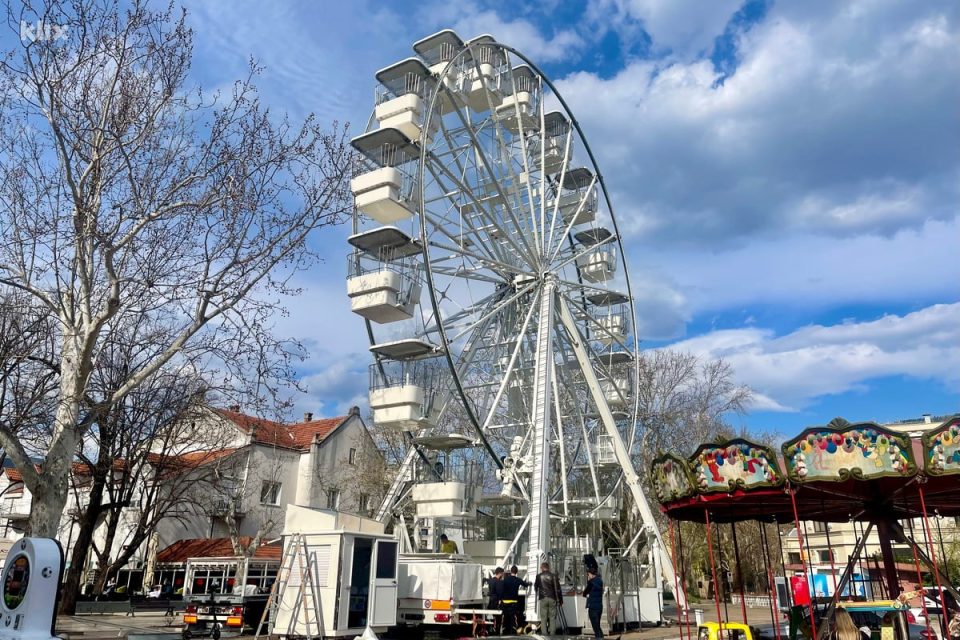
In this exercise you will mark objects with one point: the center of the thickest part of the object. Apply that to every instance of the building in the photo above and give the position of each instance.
(828, 547)
(225, 477)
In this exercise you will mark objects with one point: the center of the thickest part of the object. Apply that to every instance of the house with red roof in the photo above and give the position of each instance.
(242, 472)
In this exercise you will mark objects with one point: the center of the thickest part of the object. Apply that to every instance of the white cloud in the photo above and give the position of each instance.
(685, 27)
(469, 21)
(790, 370)
(839, 121)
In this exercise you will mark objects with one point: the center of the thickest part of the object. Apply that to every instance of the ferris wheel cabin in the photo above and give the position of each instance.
(383, 275)
(437, 51)
(521, 102)
(404, 382)
(599, 264)
(556, 148)
(578, 197)
(402, 99)
(383, 185)
(484, 69)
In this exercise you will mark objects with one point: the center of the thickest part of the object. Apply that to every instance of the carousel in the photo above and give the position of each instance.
(879, 480)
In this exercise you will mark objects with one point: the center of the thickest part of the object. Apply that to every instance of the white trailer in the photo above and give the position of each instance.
(439, 589)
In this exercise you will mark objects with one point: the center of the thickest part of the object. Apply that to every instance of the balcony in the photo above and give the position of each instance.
(16, 509)
(224, 508)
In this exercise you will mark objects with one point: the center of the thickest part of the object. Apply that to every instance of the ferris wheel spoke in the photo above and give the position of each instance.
(511, 363)
(483, 236)
(589, 319)
(573, 221)
(490, 248)
(555, 204)
(500, 307)
(493, 265)
(491, 175)
(506, 151)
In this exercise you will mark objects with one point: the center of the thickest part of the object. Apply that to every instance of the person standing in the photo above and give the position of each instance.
(593, 592)
(549, 597)
(510, 600)
(447, 545)
(495, 597)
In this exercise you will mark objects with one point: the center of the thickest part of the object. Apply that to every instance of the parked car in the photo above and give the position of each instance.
(934, 606)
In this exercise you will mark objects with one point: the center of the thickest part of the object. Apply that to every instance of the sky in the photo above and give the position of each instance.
(786, 176)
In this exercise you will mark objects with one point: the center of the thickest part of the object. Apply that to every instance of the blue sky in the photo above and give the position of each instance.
(786, 175)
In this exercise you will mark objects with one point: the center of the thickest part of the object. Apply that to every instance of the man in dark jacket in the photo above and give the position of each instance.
(593, 592)
(549, 598)
(510, 600)
(495, 595)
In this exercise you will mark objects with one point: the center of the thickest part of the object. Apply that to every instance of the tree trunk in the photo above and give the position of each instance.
(81, 547)
(51, 486)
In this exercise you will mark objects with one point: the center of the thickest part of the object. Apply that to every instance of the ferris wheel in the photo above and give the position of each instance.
(488, 266)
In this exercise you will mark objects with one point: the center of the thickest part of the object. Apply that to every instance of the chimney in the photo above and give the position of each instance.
(926, 418)
(354, 411)
(307, 416)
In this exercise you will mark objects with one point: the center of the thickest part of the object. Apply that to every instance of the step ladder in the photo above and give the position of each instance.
(298, 564)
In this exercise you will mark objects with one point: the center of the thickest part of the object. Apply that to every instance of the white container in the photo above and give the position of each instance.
(518, 110)
(482, 91)
(377, 194)
(597, 266)
(698, 616)
(442, 500)
(616, 390)
(381, 296)
(408, 114)
(613, 329)
(400, 407)
(570, 206)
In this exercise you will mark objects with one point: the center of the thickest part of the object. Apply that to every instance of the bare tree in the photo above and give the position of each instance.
(127, 193)
(130, 473)
(27, 373)
(683, 401)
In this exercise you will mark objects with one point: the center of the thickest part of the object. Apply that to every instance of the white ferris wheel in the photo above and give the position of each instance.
(489, 269)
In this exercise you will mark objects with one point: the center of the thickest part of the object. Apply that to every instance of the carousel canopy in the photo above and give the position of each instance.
(829, 474)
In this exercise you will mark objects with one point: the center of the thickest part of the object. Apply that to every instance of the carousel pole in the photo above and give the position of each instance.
(683, 579)
(713, 570)
(796, 520)
(933, 558)
(916, 563)
(833, 568)
(943, 550)
(736, 557)
(771, 583)
(676, 579)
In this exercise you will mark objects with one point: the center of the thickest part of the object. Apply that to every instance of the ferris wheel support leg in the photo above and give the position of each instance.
(619, 448)
(542, 406)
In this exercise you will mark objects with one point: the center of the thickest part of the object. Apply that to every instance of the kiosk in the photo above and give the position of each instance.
(31, 577)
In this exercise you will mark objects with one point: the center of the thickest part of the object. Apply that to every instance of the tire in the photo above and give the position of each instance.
(215, 634)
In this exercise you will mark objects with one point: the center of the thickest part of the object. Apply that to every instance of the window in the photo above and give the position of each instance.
(364, 503)
(793, 557)
(333, 498)
(820, 527)
(825, 555)
(353, 456)
(270, 493)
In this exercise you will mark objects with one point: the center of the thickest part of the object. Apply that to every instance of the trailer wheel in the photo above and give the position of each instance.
(185, 634)
(215, 634)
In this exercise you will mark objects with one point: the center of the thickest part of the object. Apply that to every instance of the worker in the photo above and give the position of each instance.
(447, 545)
(593, 592)
(549, 598)
(510, 600)
(495, 596)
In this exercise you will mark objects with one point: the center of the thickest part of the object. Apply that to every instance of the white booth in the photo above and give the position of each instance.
(338, 576)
